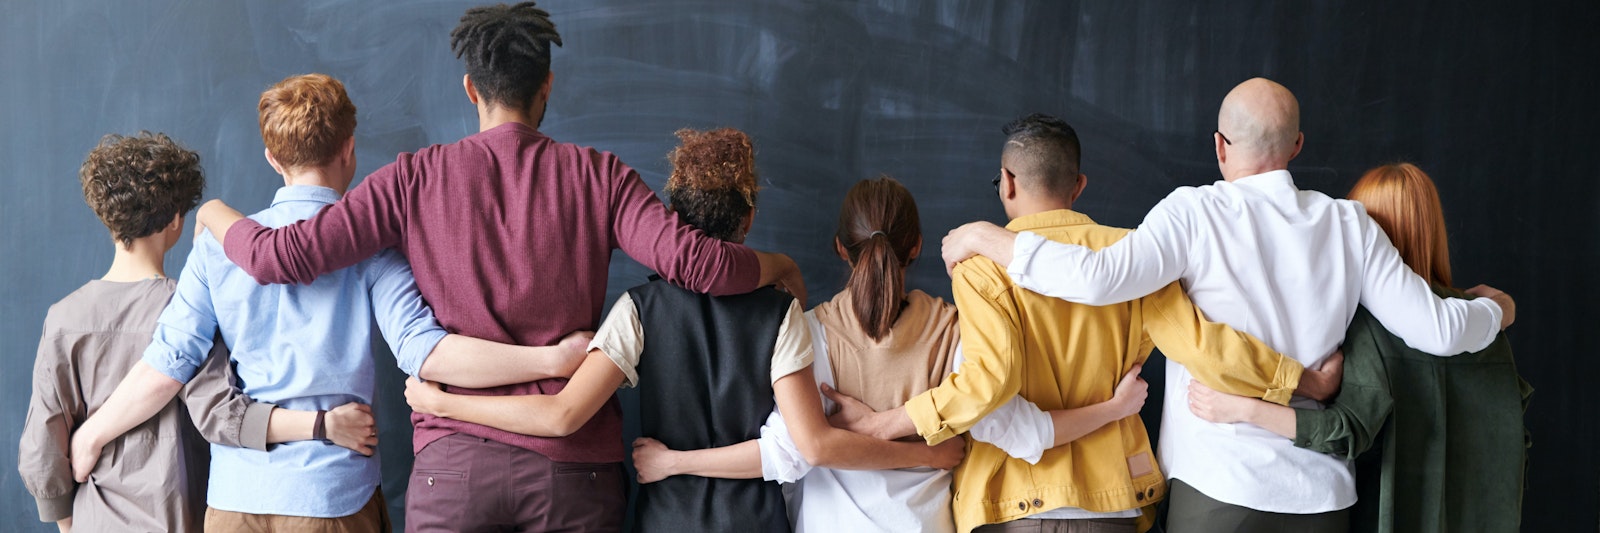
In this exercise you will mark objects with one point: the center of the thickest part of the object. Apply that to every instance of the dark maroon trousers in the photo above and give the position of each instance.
(469, 484)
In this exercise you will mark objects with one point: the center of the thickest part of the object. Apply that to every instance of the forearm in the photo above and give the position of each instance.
(217, 217)
(1074, 424)
(846, 450)
(139, 396)
(475, 363)
(288, 425)
(65, 525)
(889, 425)
(1273, 417)
(539, 415)
(738, 461)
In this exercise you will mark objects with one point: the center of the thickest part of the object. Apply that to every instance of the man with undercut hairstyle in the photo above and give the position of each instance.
(1286, 265)
(1079, 362)
(510, 235)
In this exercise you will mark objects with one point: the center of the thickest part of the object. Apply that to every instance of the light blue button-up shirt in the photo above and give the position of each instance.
(304, 347)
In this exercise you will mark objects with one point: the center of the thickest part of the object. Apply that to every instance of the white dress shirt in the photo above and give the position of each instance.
(1285, 265)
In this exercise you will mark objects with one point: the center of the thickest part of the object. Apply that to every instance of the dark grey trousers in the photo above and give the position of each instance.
(1097, 525)
(1189, 511)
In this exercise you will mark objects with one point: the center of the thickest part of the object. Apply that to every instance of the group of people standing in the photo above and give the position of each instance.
(483, 264)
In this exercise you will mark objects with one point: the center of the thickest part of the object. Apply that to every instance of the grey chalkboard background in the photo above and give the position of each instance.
(1495, 99)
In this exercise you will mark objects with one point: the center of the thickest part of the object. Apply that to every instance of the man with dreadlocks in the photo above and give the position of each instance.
(510, 234)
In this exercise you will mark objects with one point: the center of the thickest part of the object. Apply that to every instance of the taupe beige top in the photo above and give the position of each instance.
(153, 478)
(913, 357)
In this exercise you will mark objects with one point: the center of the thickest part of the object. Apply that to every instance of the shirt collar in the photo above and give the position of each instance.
(1052, 218)
(305, 193)
(1269, 179)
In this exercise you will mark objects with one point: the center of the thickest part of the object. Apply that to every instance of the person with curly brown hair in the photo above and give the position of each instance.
(155, 476)
(707, 375)
(302, 347)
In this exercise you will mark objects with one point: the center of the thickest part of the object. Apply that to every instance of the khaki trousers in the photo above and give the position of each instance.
(372, 518)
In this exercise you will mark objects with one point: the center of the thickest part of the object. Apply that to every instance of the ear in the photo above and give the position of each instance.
(1083, 182)
(838, 248)
(749, 220)
(176, 224)
(472, 90)
(1008, 185)
(1299, 142)
(349, 150)
(916, 250)
(272, 160)
(1222, 148)
(549, 84)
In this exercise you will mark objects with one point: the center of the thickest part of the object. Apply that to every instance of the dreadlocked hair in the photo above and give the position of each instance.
(507, 51)
(713, 183)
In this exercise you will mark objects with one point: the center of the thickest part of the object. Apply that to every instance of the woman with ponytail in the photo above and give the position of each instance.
(711, 373)
(881, 344)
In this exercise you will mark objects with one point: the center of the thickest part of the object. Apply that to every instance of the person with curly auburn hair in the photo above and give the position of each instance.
(707, 375)
(511, 235)
(304, 349)
(140, 186)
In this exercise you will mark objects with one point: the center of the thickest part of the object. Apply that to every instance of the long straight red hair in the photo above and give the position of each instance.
(1401, 198)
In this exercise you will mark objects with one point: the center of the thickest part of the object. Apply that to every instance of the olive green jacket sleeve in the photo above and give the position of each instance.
(1352, 421)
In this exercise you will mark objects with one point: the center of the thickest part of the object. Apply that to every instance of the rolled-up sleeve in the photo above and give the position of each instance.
(1219, 356)
(404, 318)
(184, 334)
(991, 342)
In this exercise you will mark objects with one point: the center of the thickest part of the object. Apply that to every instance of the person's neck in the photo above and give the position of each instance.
(491, 117)
(1245, 171)
(324, 176)
(143, 259)
(1035, 206)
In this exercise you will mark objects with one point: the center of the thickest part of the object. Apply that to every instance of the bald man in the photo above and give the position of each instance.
(1285, 265)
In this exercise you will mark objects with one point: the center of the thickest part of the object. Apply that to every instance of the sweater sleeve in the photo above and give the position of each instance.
(1350, 424)
(368, 219)
(655, 237)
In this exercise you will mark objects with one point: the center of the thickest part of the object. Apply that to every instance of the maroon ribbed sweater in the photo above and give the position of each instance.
(510, 234)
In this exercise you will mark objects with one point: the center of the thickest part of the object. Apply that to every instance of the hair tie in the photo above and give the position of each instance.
(877, 233)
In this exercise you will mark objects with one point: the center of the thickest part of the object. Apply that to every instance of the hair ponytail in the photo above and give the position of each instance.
(876, 283)
(878, 228)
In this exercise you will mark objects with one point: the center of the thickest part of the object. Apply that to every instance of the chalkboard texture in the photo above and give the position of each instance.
(1494, 99)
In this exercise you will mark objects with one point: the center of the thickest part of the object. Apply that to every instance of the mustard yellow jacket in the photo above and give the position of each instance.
(1061, 355)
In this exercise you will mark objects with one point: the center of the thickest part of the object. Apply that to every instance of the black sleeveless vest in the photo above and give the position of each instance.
(704, 382)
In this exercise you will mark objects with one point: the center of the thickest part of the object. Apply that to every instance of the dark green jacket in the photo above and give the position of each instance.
(1438, 442)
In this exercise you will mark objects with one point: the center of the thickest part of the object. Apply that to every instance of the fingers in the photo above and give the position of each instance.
(833, 394)
(1133, 373)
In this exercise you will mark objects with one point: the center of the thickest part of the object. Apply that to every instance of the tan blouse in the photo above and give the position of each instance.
(913, 357)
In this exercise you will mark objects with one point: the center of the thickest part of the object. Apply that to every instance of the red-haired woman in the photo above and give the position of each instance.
(1445, 433)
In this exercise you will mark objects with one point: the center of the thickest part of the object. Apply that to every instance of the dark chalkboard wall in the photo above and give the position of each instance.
(1493, 98)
